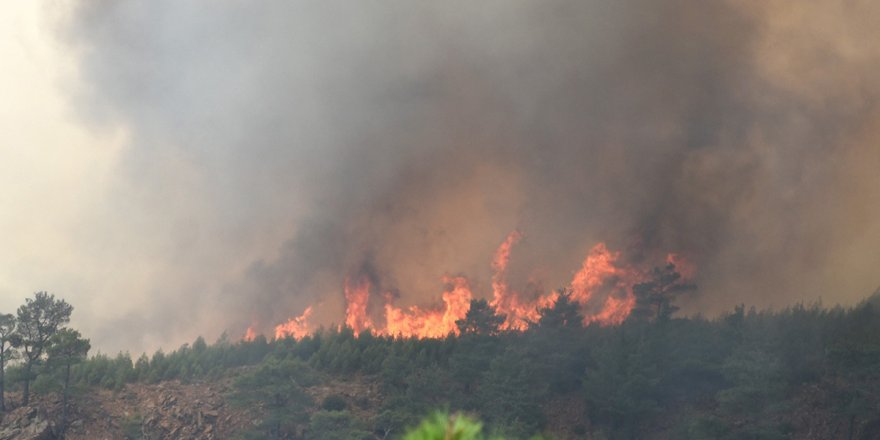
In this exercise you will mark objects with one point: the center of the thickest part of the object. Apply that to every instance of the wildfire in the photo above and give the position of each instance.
(614, 311)
(433, 323)
(682, 265)
(250, 334)
(296, 328)
(357, 297)
(599, 271)
(602, 287)
(504, 301)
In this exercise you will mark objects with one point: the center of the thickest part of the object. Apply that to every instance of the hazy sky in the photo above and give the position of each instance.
(182, 168)
(53, 170)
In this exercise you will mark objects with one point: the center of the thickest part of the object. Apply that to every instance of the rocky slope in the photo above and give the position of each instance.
(165, 410)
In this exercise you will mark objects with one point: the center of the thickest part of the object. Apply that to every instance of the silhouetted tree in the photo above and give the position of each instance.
(38, 319)
(481, 319)
(563, 313)
(654, 297)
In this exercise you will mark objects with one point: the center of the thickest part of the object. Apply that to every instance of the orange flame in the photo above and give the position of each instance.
(296, 328)
(602, 287)
(431, 323)
(614, 311)
(504, 301)
(601, 270)
(250, 334)
(596, 270)
(357, 297)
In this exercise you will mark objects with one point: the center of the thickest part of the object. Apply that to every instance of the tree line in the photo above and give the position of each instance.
(747, 374)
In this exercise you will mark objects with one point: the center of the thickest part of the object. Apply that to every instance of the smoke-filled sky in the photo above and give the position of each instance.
(176, 169)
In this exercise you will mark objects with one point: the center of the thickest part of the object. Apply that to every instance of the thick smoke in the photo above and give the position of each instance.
(276, 147)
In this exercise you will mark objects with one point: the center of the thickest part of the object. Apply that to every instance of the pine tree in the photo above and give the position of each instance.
(38, 319)
(67, 348)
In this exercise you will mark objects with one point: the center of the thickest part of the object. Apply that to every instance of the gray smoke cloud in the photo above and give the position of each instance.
(276, 147)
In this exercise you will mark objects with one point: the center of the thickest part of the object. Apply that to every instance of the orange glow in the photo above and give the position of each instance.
(683, 266)
(296, 328)
(614, 311)
(602, 287)
(601, 271)
(250, 334)
(504, 301)
(438, 322)
(356, 297)
(597, 269)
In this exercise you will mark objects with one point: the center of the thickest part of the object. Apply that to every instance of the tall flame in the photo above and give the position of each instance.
(357, 296)
(250, 334)
(600, 270)
(504, 301)
(431, 323)
(596, 269)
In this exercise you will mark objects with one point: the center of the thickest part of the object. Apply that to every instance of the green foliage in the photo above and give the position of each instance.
(481, 319)
(509, 399)
(336, 425)
(442, 426)
(564, 313)
(38, 320)
(334, 402)
(654, 298)
(9, 340)
(279, 387)
(736, 377)
(132, 427)
(46, 383)
(67, 347)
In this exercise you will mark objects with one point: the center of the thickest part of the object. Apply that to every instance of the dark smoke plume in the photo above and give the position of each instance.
(276, 147)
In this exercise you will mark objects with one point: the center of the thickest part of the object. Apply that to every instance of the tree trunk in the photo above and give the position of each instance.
(2, 379)
(64, 398)
(25, 398)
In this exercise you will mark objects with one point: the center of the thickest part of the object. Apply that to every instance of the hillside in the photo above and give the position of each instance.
(800, 373)
(201, 410)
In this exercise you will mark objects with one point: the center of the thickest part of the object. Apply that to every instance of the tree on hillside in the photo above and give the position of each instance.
(38, 319)
(654, 297)
(564, 313)
(8, 340)
(481, 319)
(67, 348)
(278, 388)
